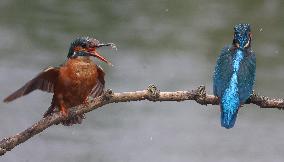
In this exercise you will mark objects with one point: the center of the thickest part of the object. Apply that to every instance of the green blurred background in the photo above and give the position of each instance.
(173, 44)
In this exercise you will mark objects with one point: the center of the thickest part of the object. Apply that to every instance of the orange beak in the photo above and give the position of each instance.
(94, 53)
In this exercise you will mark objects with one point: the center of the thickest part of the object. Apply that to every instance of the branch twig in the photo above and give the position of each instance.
(151, 94)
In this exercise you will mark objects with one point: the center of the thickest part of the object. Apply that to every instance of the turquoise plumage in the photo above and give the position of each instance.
(234, 75)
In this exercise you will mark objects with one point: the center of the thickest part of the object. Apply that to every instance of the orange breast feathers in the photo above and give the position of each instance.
(77, 77)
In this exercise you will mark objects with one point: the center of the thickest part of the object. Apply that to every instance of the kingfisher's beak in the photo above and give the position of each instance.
(94, 53)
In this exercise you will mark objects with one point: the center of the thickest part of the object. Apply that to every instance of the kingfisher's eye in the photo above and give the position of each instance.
(84, 45)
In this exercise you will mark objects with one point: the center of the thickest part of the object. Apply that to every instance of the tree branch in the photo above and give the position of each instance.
(151, 94)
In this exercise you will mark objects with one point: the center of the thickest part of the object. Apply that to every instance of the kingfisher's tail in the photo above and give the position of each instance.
(230, 104)
(228, 118)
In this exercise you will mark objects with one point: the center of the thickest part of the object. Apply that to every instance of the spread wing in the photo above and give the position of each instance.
(223, 71)
(246, 76)
(99, 87)
(44, 81)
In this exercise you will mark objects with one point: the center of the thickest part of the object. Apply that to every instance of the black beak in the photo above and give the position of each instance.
(107, 44)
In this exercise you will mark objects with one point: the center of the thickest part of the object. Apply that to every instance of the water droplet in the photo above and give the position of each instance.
(113, 46)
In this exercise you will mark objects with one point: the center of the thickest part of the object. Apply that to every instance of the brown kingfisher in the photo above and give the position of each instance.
(72, 82)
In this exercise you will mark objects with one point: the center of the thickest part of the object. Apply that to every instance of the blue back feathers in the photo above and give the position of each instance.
(234, 75)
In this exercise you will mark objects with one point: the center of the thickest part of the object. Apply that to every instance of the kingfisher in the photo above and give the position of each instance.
(234, 74)
(72, 82)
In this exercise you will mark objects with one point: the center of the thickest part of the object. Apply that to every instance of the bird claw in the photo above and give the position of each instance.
(86, 102)
(64, 112)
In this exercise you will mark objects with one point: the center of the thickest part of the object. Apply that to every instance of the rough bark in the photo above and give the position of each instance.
(151, 93)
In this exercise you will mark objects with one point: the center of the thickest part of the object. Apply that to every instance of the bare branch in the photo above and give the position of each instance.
(151, 94)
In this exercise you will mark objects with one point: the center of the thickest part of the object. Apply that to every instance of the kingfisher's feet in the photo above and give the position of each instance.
(86, 102)
(64, 112)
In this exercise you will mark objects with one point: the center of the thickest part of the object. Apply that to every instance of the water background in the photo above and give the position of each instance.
(172, 44)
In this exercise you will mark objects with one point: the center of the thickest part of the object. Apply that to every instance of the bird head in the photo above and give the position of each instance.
(242, 36)
(85, 47)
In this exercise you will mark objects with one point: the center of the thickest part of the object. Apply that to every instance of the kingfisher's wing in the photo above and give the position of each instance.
(246, 76)
(44, 81)
(99, 87)
(223, 71)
